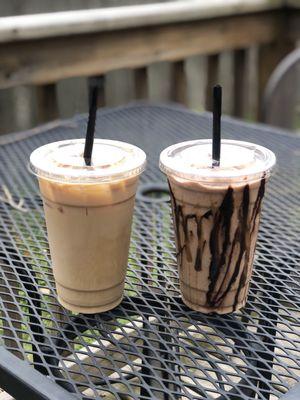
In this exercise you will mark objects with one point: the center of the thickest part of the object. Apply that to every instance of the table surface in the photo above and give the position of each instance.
(152, 345)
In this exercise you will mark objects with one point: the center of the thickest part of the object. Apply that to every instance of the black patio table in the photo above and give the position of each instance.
(151, 346)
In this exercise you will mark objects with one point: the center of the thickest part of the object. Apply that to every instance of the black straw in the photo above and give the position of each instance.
(216, 139)
(90, 132)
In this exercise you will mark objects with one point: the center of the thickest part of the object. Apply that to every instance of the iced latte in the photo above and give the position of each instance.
(88, 212)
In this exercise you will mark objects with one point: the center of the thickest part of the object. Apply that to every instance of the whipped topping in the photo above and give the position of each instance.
(192, 160)
(111, 160)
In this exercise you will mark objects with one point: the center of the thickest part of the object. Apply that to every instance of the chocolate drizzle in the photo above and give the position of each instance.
(225, 246)
(183, 243)
(242, 236)
(201, 245)
(253, 224)
(257, 205)
(220, 229)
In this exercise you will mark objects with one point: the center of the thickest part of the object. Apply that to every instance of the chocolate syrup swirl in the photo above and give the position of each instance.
(222, 248)
(221, 228)
(183, 243)
(257, 205)
(242, 237)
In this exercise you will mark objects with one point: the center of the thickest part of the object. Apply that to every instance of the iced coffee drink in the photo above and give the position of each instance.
(88, 212)
(216, 213)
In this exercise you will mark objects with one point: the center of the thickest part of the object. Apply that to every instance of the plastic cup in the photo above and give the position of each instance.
(216, 212)
(88, 212)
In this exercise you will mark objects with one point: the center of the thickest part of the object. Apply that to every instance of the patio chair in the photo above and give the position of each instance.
(281, 101)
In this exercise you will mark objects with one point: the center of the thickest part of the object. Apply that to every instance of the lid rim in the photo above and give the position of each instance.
(72, 173)
(166, 163)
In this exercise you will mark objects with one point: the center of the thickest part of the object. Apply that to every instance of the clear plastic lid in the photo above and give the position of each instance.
(192, 160)
(111, 160)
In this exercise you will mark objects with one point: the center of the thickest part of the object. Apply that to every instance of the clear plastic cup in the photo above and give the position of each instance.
(216, 212)
(88, 212)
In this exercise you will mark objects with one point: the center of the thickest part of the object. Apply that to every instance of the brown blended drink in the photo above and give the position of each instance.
(88, 212)
(216, 214)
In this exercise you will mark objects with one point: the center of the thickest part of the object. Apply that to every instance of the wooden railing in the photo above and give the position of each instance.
(254, 35)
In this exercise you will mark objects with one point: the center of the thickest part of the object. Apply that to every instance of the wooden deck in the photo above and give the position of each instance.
(187, 46)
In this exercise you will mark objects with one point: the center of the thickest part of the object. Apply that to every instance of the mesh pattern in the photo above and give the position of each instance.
(152, 345)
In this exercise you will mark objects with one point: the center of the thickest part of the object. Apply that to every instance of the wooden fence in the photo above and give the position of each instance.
(174, 51)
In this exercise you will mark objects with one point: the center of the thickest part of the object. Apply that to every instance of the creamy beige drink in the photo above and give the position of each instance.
(216, 218)
(88, 212)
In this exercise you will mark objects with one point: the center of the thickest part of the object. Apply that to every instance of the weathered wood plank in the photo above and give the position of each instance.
(11, 8)
(179, 82)
(226, 80)
(212, 78)
(18, 108)
(47, 105)
(160, 82)
(38, 26)
(72, 96)
(141, 83)
(52, 59)
(98, 81)
(239, 76)
(119, 87)
(251, 98)
(196, 79)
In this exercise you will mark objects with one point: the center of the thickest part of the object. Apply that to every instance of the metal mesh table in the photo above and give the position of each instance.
(152, 345)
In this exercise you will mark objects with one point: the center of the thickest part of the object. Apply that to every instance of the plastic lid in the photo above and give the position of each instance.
(111, 160)
(192, 160)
